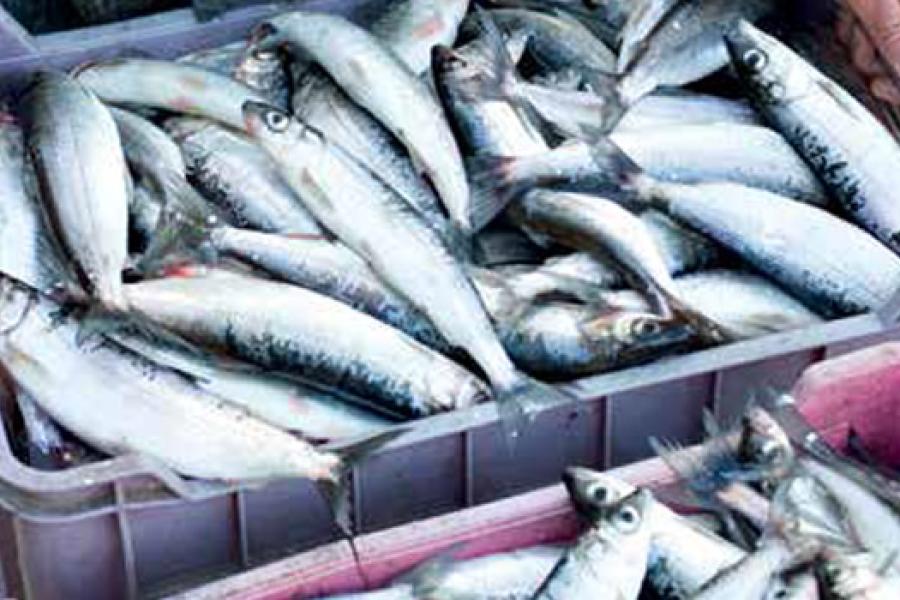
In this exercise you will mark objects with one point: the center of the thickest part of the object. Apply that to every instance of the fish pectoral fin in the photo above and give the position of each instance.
(493, 187)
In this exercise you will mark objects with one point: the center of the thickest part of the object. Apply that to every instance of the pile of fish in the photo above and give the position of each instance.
(220, 260)
(770, 520)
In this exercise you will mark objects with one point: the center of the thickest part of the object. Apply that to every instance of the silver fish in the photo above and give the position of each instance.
(605, 18)
(686, 108)
(267, 73)
(321, 104)
(507, 246)
(379, 82)
(167, 85)
(643, 19)
(558, 41)
(221, 59)
(29, 252)
(604, 228)
(683, 557)
(397, 244)
(308, 335)
(753, 156)
(144, 212)
(851, 151)
(849, 577)
(774, 234)
(42, 433)
(686, 46)
(609, 561)
(411, 28)
(239, 177)
(333, 270)
(755, 306)
(77, 155)
(753, 575)
(137, 406)
(514, 575)
(286, 404)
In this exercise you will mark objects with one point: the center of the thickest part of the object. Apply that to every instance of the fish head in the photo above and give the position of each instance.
(632, 337)
(763, 64)
(628, 522)
(450, 65)
(764, 445)
(592, 492)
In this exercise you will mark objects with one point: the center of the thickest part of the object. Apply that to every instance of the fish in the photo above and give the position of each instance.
(680, 107)
(411, 28)
(239, 177)
(853, 276)
(749, 155)
(307, 335)
(753, 576)
(609, 560)
(507, 246)
(324, 106)
(512, 575)
(267, 73)
(167, 85)
(683, 556)
(605, 18)
(604, 228)
(378, 81)
(291, 405)
(558, 40)
(77, 156)
(755, 306)
(220, 59)
(484, 127)
(803, 586)
(43, 435)
(406, 254)
(329, 268)
(29, 248)
(852, 152)
(138, 406)
(848, 577)
(686, 46)
(643, 19)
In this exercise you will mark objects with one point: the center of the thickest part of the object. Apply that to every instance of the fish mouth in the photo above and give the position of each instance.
(591, 491)
(253, 113)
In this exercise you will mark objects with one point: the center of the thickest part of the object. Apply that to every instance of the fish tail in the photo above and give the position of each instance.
(183, 230)
(494, 184)
(518, 404)
(708, 330)
(500, 81)
(335, 488)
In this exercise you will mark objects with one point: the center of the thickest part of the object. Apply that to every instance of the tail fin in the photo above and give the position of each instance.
(494, 184)
(614, 104)
(336, 491)
(518, 404)
(501, 81)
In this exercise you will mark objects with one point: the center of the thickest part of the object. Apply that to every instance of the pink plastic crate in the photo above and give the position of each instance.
(859, 391)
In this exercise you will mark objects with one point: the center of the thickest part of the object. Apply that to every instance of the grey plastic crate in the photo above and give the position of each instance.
(125, 527)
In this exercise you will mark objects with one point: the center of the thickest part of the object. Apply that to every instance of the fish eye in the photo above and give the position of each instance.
(599, 493)
(755, 59)
(645, 328)
(277, 121)
(628, 519)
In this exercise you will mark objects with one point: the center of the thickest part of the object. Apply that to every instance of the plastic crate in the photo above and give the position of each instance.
(860, 391)
(125, 528)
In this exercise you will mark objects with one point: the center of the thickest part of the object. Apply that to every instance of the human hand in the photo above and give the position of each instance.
(870, 29)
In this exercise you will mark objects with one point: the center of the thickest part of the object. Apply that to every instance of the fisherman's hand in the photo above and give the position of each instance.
(871, 31)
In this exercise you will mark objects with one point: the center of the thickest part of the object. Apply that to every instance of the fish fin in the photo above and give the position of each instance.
(336, 490)
(426, 578)
(609, 158)
(518, 404)
(180, 233)
(510, 306)
(606, 86)
(500, 83)
(493, 186)
(707, 329)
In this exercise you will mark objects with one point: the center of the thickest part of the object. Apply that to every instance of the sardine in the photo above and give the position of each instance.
(137, 406)
(77, 155)
(683, 556)
(398, 245)
(221, 59)
(411, 28)
(514, 575)
(331, 269)
(851, 151)
(850, 272)
(643, 19)
(604, 228)
(267, 73)
(755, 306)
(325, 107)
(239, 177)
(29, 250)
(609, 560)
(685, 108)
(379, 82)
(753, 156)
(605, 18)
(286, 404)
(177, 87)
(753, 575)
(308, 335)
(558, 41)
(43, 435)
